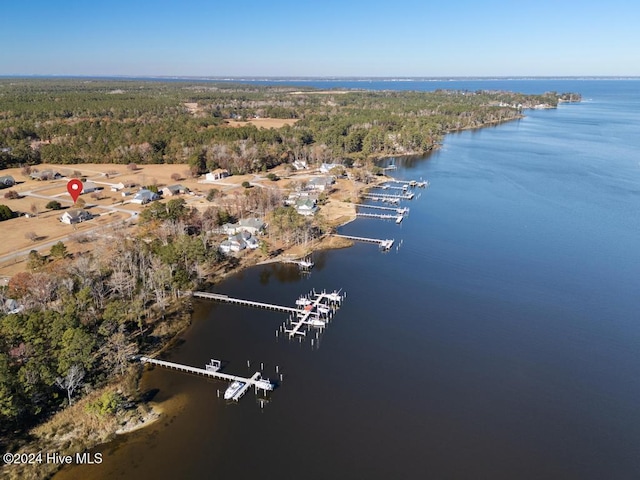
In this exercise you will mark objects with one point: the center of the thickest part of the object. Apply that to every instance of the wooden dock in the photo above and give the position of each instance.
(249, 303)
(404, 196)
(399, 211)
(412, 183)
(381, 216)
(384, 244)
(255, 381)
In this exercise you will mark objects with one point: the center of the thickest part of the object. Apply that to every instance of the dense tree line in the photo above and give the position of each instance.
(82, 317)
(70, 121)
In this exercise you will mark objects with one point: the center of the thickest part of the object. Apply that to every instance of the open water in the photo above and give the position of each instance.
(500, 341)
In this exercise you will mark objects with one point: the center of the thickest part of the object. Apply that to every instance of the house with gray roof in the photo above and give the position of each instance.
(144, 196)
(71, 217)
(7, 181)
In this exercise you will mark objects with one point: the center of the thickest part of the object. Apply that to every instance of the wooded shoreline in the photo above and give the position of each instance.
(82, 313)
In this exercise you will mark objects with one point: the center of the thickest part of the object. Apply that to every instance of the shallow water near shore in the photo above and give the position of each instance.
(499, 341)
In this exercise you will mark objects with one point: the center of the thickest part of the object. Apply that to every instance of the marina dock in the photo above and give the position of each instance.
(322, 303)
(249, 303)
(212, 370)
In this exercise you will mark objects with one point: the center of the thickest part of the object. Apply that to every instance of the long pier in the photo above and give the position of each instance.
(400, 211)
(405, 196)
(384, 244)
(412, 183)
(382, 216)
(249, 303)
(256, 379)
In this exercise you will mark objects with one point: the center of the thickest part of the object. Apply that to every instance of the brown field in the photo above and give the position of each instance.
(48, 228)
(264, 122)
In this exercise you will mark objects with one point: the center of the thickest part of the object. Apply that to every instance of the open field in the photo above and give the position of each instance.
(263, 122)
(112, 207)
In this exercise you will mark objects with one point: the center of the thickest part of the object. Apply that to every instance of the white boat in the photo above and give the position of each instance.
(314, 322)
(233, 389)
(302, 302)
(323, 309)
(334, 297)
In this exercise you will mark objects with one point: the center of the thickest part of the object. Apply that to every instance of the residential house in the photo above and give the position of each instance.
(327, 167)
(71, 217)
(229, 228)
(45, 175)
(249, 240)
(88, 187)
(117, 187)
(144, 196)
(320, 184)
(217, 174)
(252, 225)
(12, 306)
(300, 165)
(234, 243)
(306, 206)
(7, 181)
(172, 190)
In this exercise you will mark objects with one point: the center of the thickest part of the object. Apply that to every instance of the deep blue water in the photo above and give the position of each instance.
(500, 340)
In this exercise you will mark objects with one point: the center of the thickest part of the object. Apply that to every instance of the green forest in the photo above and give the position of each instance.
(99, 121)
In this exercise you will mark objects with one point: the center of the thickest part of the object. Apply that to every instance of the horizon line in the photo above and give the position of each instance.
(327, 77)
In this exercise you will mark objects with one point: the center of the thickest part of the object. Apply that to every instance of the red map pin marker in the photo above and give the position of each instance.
(74, 187)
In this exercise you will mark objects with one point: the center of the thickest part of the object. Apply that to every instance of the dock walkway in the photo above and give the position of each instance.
(256, 379)
(238, 301)
(384, 244)
(312, 309)
(398, 210)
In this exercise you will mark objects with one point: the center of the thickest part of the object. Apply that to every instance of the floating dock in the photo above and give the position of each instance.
(249, 303)
(212, 370)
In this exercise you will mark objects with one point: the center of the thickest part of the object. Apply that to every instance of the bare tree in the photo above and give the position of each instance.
(117, 351)
(33, 236)
(71, 381)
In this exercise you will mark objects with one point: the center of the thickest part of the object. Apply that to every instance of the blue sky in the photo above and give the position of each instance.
(330, 38)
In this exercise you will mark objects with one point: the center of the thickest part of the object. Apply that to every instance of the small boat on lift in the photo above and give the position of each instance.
(233, 390)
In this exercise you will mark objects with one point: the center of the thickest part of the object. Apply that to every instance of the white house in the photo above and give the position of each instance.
(144, 196)
(306, 206)
(71, 217)
(327, 167)
(117, 187)
(320, 184)
(300, 165)
(233, 244)
(217, 174)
